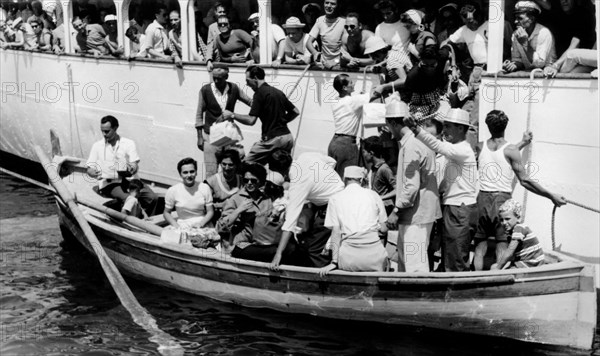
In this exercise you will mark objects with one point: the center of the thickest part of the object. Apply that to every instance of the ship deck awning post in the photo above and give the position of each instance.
(496, 36)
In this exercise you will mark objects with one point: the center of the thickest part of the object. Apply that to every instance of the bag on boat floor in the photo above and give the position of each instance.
(225, 133)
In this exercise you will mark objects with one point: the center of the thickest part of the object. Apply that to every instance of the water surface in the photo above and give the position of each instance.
(55, 300)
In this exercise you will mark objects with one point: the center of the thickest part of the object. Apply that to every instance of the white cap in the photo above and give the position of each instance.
(110, 18)
(355, 172)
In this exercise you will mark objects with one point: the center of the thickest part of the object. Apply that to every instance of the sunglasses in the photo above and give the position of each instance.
(223, 24)
(174, 20)
(34, 26)
(252, 181)
(349, 27)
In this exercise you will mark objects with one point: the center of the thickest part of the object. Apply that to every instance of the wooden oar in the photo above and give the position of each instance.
(166, 343)
(119, 216)
(301, 112)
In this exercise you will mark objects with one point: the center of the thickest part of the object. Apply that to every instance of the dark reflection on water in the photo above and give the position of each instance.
(55, 300)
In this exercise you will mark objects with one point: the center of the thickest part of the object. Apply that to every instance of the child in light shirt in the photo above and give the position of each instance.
(131, 206)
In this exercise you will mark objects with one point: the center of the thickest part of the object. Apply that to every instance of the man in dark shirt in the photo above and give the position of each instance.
(274, 110)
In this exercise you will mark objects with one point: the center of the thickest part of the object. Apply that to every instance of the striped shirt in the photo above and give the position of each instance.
(529, 252)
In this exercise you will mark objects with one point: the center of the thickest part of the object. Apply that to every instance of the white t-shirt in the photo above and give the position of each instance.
(393, 33)
(476, 41)
(347, 113)
(189, 202)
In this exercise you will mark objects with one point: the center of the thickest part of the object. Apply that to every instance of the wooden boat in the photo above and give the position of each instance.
(554, 304)
(155, 103)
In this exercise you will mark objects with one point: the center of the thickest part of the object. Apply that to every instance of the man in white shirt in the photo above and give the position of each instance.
(111, 160)
(347, 115)
(357, 218)
(460, 194)
(156, 38)
(312, 180)
(532, 43)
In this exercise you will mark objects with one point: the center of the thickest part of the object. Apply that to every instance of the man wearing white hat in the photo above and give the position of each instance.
(532, 43)
(460, 181)
(392, 63)
(293, 50)
(356, 216)
(110, 25)
(417, 199)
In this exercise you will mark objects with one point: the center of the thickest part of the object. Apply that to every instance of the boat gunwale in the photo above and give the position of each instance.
(568, 268)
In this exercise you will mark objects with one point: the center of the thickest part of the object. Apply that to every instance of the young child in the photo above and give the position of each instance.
(383, 178)
(524, 248)
(131, 206)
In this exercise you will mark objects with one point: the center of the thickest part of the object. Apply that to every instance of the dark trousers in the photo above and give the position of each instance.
(344, 150)
(459, 227)
(314, 236)
(147, 198)
(265, 253)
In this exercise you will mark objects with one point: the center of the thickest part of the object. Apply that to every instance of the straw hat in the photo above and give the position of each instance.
(457, 116)
(395, 107)
(374, 44)
(293, 22)
(355, 172)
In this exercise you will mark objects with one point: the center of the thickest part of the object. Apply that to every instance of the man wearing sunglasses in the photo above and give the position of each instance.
(353, 43)
(110, 24)
(532, 43)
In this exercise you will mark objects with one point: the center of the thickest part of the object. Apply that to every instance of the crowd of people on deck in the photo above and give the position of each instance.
(424, 176)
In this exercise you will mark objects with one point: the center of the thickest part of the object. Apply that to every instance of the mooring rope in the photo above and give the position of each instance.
(553, 223)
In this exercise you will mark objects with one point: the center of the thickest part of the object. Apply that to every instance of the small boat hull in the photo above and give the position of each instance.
(554, 304)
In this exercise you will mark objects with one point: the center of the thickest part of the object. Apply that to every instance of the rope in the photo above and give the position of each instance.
(553, 222)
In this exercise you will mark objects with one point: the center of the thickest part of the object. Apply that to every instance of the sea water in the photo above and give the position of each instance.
(55, 300)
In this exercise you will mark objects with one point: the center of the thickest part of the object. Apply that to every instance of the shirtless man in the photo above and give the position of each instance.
(353, 43)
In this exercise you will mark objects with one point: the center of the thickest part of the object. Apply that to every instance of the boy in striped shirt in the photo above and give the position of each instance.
(524, 249)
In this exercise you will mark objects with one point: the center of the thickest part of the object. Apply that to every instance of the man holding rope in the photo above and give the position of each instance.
(274, 110)
(499, 163)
